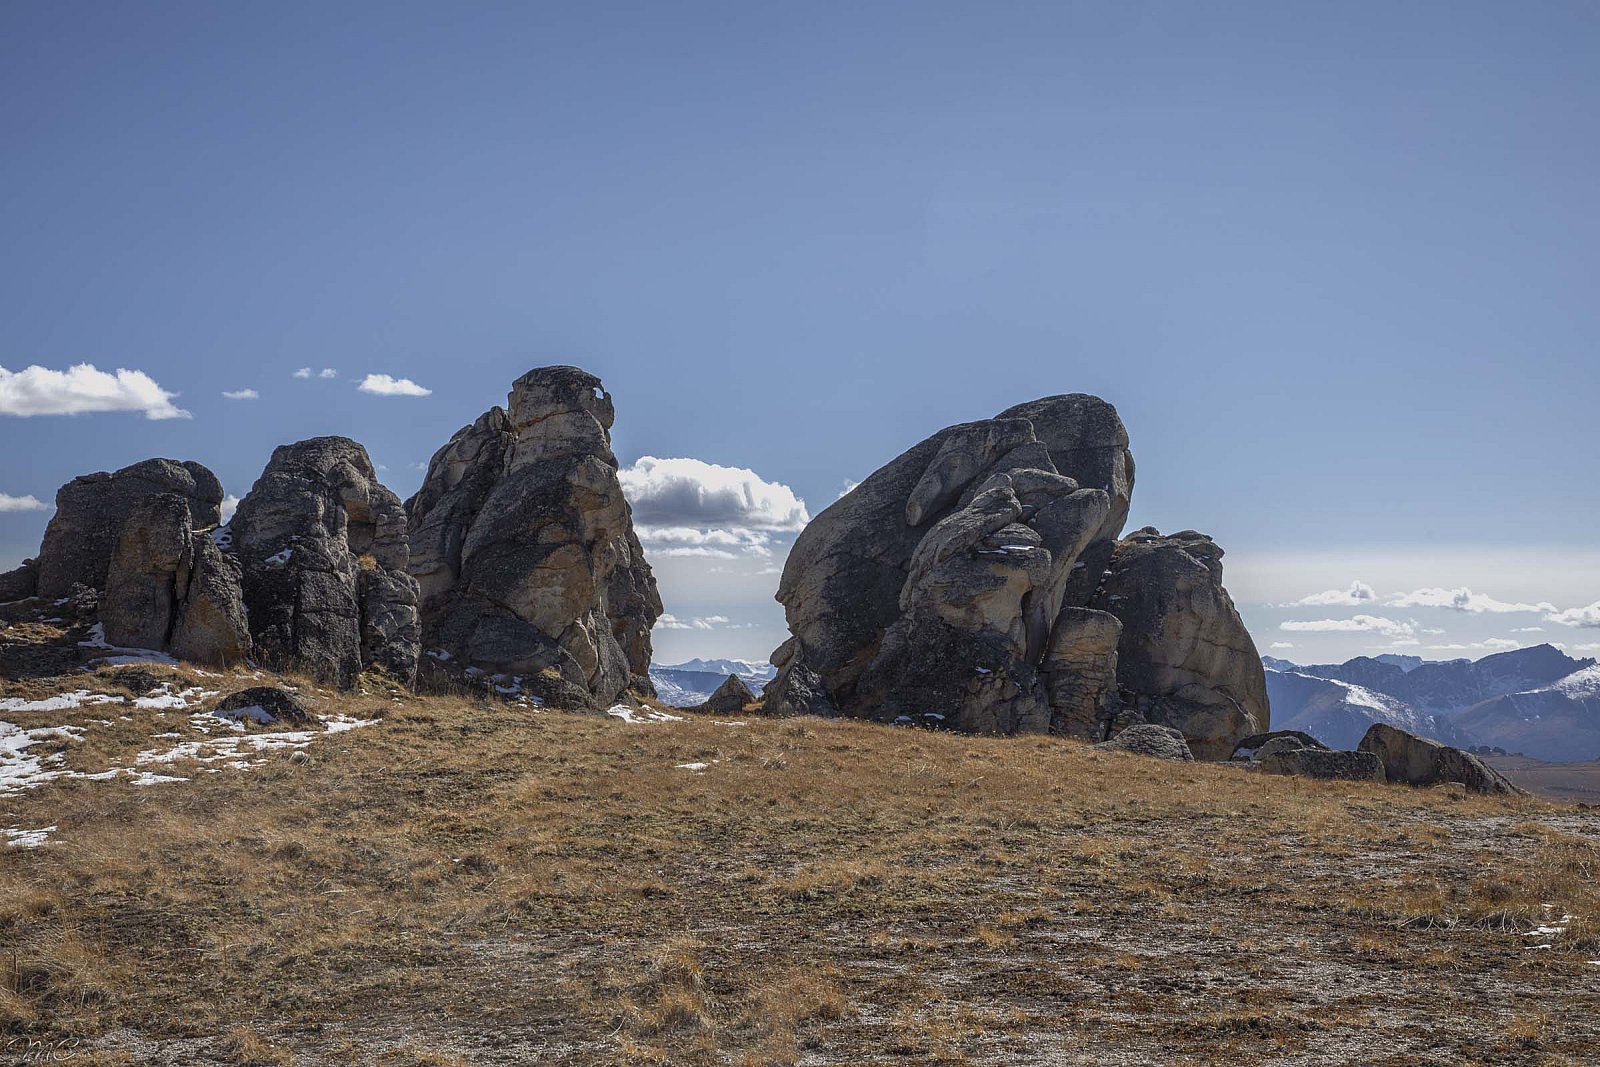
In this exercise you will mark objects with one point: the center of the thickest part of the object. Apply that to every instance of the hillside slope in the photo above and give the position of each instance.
(449, 880)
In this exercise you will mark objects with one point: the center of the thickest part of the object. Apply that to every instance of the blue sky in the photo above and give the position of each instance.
(1335, 267)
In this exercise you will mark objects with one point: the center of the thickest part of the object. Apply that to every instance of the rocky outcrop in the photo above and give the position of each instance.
(524, 549)
(730, 698)
(169, 587)
(262, 704)
(1252, 746)
(324, 550)
(1418, 761)
(1148, 739)
(963, 584)
(20, 582)
(1185, 658)
(1322, 763)
(91, 511)
(796, 689)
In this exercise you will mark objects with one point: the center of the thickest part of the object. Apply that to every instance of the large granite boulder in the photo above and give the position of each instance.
(1419, 761)
(524, 549)
(324, 549)
(934, 588)
(962, 584)
(1148, 739)
(169, 586)
(92, 509)
(1184, 658)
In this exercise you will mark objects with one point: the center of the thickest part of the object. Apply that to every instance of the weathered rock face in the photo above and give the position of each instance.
(730, 698)
(960, 584)
(1148, 739)
(1184, 658)
(524, 547)
(796, 689)
(168, 586)
(91, 511)
(20, 582)
(932, 590)
(1419, 761)
(324, 550)
(1322, 763)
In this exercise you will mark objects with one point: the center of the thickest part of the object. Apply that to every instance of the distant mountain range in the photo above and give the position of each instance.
(683, 685)
(1538, 701)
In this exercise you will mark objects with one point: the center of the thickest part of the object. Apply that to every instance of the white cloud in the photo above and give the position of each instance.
(327, 372)
(709, 622)
(383, 385)
(241, 394)
(1462, 599)
(849, 484)
(21, 503)
(1492, 644)
(687, 507)
(81, 389)
(690, 492)
(1528, 630)
(303, 372)
(230, 504)
(1358, 593)
(1585, 616)
(1282, 644)
(716, 544)
(1359, 624)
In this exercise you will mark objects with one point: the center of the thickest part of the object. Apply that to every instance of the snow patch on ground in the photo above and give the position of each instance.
(60, 702)
(19, 838)
(640, 715)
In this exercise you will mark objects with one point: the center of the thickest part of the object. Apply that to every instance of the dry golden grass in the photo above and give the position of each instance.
(474, 882)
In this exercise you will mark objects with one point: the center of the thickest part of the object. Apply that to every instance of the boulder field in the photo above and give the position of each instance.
(516, 559)
(978, 582)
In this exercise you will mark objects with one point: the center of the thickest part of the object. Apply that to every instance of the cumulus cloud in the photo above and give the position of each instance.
(383, 385)
(307, 372)
(1282, 644)
(1462, 599)
(230, 504)
(1528, 630)
(848, 487)
(303, 372)
(327, 372)
(81, 389)
(687, 507)
(241, 394)
(1586, 616)
(690, 492)
(1358, 593)
(1372, 624)
(21, 503)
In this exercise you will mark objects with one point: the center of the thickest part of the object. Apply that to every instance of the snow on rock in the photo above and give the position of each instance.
(97, 641)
